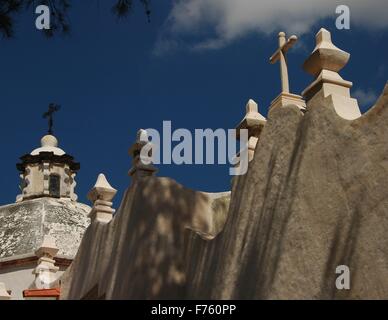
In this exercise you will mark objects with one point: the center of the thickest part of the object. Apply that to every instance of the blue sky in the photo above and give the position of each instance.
(111, 78)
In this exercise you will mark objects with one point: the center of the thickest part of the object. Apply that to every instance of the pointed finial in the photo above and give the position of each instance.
(142, 136)
(253, 120)
(102, 190)
(325, 56)
(323, 64)
(102, 195)
(141, 163)
(141, 140)
(251, 106)
(45, 271)
(323, 35)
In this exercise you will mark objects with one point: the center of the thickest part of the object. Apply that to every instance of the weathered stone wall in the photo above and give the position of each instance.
(23, 225)
(314, 197)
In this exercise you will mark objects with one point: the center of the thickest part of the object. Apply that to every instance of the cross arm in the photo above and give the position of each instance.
(276, 56)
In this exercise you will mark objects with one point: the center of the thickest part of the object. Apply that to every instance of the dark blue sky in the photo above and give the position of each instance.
(109, 84)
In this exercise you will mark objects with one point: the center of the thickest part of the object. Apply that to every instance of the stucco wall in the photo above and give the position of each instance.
(18, 279)
(314, 198)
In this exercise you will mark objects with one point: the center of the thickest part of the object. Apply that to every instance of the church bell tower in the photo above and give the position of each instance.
(47, 172)
(41, 232)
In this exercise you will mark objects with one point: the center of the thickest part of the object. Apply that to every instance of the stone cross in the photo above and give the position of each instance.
(280, 54)
(49, 114)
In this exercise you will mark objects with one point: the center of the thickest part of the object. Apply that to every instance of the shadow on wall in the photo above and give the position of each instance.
(314, 197)
(140, 253)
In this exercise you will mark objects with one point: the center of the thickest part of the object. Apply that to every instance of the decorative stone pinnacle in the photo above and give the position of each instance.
(102, 195)
(252, 107)
(323, 35)
(253, 120)
(141, 163)
(142, 137)
(140, 142)
(102, 190)
(45, 272)
(254, 123)
(326, 56)
(323, 64)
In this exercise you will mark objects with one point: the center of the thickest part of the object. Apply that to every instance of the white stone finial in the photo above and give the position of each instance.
(102, 195)
(323, 64)
(323, 35)
(254, 123)
(49, 141)
(325, 56)
(140, 167)
(251, 107)
(142, 136)
(45, 272)
(4, 295)
(102, 190)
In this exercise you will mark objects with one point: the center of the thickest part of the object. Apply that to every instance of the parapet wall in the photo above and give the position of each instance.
(314, 198)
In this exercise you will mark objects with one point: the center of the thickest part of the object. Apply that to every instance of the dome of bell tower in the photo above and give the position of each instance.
(49, 143)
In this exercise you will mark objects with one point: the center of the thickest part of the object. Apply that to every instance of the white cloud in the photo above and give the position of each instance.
(365, 98)
(212, 24)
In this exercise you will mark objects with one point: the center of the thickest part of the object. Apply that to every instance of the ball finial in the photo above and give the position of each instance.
(49, 141)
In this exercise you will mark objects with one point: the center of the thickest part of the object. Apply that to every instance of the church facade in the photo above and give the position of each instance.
(313, 199)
